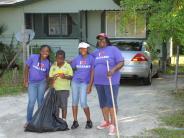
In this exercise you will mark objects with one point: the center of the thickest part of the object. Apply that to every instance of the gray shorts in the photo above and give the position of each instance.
(62, 98)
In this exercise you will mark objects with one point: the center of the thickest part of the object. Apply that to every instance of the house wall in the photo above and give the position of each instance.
(13, 19)
(94, 26)
(70, 46)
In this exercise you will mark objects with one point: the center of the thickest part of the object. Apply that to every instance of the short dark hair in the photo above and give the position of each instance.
(60, 52)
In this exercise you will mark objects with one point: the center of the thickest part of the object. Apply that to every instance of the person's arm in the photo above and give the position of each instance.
(26, 75)
(116, 68)
(119, 60)
(69, 74)
(52, 76)
(89, 88)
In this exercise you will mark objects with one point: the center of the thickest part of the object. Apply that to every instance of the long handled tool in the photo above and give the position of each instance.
(113, 103)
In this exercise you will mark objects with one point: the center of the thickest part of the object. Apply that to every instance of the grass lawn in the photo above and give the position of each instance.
(167, 133)
(10, 90)
(11, 85)
(174, 122)
(171, 69)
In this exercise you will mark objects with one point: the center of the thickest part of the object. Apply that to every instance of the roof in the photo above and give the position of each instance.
(10, 2)
(102, 4)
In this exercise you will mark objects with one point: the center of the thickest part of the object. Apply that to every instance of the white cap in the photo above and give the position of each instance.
(83, 45)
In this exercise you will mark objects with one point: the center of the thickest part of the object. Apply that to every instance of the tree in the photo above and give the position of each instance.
(165, 18)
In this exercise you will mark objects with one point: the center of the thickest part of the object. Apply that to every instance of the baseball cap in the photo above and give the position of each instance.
(101, 35)
(83, 45)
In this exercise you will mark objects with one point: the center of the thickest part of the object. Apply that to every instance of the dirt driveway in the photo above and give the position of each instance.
(139, 110)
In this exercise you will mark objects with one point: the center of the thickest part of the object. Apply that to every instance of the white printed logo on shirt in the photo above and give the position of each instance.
(40, 66)
(101, 55)
(83, 64)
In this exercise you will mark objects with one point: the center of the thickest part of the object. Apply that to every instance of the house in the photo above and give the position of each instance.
(64, 23)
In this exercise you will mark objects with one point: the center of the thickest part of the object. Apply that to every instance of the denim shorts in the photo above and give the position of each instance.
(104, 95)
(79, 92)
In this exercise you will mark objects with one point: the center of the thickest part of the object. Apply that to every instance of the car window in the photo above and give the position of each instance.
(128, 46)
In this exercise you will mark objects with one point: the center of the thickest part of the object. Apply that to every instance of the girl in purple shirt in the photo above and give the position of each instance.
(35, 78)
(82, 83)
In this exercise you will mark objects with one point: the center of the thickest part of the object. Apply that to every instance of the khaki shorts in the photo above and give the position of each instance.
(62, 98)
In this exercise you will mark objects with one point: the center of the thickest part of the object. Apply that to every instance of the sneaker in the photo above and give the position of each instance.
(75, 125)
(112, 130)
(104, 125)
(89, 124)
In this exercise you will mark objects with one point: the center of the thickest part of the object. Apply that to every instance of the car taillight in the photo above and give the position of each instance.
(139, 57)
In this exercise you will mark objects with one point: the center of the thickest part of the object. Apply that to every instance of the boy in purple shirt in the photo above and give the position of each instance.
(35, 78)
(82, 83)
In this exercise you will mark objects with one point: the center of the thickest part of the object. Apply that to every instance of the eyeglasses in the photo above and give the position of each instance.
(101, 40)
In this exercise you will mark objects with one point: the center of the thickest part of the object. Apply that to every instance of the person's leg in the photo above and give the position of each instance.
(112, 128)
(32, 95)
(83, 100)
(110, 104)
(103, 103)
(64, 102)
(84, 105)
(64, 113)
(102, 100)
(41, 91)
(75, 99)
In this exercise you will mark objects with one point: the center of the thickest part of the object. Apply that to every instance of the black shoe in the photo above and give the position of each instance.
(89, 124)
(75, 125)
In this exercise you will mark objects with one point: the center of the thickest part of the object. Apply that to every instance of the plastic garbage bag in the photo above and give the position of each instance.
(46, 118)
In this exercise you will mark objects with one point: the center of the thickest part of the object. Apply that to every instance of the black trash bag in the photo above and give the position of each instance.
(46, 118)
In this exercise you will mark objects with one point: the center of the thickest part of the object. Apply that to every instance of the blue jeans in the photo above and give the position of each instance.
(104, 95)
(36, 91)
(79, 91)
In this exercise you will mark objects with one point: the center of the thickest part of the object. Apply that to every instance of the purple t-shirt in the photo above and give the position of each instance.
(38, 71)
(82, 68)
(101, 55)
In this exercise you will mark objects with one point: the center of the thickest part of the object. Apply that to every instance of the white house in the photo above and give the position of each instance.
(64, 23)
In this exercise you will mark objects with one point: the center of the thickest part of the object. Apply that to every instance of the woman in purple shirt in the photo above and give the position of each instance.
(111, 53)
(35, 78)
(82, 83)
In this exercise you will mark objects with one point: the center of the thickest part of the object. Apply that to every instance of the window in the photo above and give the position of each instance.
(128, 46)
(136, 27)
(53, 25)
(58, 25)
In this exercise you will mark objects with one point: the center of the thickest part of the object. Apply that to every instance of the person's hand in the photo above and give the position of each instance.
(110, 73)
(55, 76)
(62, 76)
(89, 88)
(25, 83)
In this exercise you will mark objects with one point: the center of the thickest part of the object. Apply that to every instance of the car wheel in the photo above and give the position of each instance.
(148, 80)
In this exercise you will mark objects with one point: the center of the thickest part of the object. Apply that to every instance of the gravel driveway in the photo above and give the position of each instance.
(139, 110)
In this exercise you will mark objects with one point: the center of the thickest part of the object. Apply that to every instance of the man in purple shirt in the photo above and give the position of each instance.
(111, 53)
